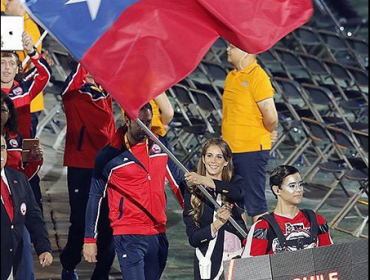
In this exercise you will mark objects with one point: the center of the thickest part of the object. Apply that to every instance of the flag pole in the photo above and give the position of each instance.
(183, 169)
(25, 61)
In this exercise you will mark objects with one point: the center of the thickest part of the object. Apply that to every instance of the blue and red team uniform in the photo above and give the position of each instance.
(90, 127)
(262, 240)
(90, 120)
(22, 93)
(133, 179)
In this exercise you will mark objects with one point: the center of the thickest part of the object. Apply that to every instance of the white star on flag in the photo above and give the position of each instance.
(93, 6)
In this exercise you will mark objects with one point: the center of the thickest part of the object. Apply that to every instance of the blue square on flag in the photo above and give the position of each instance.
(78, 24)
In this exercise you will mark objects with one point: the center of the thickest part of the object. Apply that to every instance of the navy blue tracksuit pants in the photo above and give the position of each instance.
(79, 180)
(142, 257)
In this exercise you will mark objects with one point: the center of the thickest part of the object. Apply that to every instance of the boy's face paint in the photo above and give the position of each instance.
(294, 187)
(291, 190)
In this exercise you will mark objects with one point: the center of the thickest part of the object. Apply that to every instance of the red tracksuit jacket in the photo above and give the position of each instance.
(136, 194)
(22, 93)
(90, 121)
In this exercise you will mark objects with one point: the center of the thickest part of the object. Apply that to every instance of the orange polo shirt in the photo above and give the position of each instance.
(33, 30)
(157, 125)
(242, 124)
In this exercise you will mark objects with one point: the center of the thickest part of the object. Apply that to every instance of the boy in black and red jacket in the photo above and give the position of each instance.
(131, 172)
(288, 228)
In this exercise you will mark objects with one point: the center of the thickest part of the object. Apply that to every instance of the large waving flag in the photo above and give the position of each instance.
(137, 49)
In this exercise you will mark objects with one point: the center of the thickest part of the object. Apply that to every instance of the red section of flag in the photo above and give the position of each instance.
(156, 43)
(153, 45)
(257, 25)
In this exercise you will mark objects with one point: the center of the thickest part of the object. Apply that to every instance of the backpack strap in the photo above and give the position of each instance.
(312, 218)
(298, 243)
(270, 219)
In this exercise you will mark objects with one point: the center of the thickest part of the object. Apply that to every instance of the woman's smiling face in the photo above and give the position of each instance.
(214, 162)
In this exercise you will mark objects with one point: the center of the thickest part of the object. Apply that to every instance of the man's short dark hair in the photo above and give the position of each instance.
(279, 174)
(147, 106)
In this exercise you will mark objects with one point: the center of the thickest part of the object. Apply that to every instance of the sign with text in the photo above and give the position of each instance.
(347, 261)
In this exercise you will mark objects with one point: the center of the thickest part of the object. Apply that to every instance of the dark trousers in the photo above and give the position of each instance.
(142, 257)
(35, 181)
(34, 123)
(252, 167)
(79, 181)
(26, 270)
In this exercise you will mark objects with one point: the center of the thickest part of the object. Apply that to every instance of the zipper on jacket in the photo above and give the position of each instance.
(150, 185)
(149, 178)
(142, 166)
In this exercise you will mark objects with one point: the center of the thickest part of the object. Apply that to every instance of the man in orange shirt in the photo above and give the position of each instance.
(249, 118)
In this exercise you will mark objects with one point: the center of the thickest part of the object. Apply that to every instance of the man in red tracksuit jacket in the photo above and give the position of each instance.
(132, 172)
(22, 90)
(90, 127)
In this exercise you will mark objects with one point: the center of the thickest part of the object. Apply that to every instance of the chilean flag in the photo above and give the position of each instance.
(137, 49)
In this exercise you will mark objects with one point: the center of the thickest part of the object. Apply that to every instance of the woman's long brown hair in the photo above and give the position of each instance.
(227, 173)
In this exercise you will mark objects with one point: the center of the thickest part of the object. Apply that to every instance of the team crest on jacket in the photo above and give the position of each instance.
(18, 91)
(13, 143)
(156, 149)
(23, 209)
